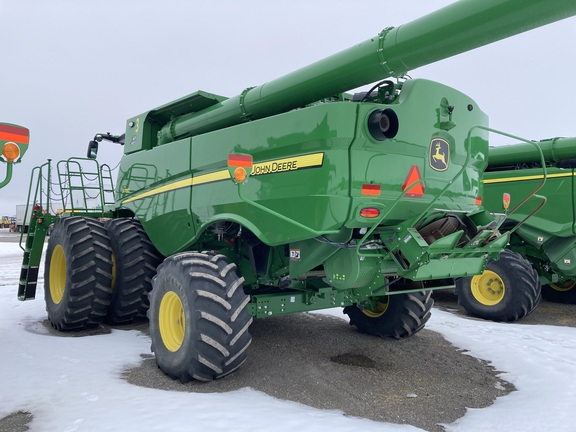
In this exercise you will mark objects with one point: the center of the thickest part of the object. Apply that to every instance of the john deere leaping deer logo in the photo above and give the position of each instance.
(439, 157)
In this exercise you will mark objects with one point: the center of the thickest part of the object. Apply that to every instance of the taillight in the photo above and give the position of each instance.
(370, 212)
(506, 200)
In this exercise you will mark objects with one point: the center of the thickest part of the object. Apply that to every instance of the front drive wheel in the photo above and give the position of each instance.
(397, 316)
(507, 290)
(78, 274)
(560, 292)
(198, 317)
(135, 261)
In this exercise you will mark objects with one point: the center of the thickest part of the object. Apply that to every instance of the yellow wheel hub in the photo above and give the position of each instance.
(380, 309)
(113, 272)
(57, 274)
(172, 322)
(563, 287)
(488, 288)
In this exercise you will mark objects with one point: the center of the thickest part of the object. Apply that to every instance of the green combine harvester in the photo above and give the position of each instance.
(14, 141)
(291, 197)
(541, 260)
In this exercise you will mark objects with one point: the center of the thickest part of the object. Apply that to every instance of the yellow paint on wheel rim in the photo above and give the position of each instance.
(171, 321)
(57, 274)
(563, 287)
(488, 288)
(113, 272)
(381, 307)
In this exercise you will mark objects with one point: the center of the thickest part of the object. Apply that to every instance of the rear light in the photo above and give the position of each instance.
(478, 200)
(370, 189)
(370, 212)
(10, 151)
(506, 200)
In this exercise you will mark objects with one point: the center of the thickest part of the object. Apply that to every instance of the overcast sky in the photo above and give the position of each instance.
(71, 68)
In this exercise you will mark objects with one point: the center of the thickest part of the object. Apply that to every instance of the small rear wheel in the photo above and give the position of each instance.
(78, 274)
(397, 316)
(560, 292)
(198, 317)
(507, 290)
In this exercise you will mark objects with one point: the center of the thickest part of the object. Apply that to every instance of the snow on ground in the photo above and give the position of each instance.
(74, 384)
(539, 360)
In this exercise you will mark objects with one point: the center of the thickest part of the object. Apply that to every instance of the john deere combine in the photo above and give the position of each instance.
(14, 143)
(542, 252)
(292, 196)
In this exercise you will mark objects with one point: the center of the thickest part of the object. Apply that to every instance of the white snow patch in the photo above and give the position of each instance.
(75, 384)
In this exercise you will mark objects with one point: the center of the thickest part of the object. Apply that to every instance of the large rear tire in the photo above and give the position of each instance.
(507, 290)
(78, 274)
(560, 292)
(135, 261)
(198, 317)
(397, 316)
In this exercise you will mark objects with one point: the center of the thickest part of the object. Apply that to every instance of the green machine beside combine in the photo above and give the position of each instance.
(14, 141)
(541, 257)
(292, 196)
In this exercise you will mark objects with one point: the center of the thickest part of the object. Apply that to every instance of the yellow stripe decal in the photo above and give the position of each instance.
(270, 167)
(166, 188)
(532, 177)
(209, 178)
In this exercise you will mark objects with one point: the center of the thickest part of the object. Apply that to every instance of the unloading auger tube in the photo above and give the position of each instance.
(555, 151)
(457, 28)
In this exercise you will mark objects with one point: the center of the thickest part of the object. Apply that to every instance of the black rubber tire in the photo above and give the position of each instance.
(518, 297)
(401, 315)
(135, 262)
(560, 293)
(198, 317)
(78, 274)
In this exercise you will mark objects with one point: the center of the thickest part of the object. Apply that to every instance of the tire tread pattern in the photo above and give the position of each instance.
(87, 290)
(405, 316)
(522, 290)
(551, 294)
(136, 261)
(217, 320)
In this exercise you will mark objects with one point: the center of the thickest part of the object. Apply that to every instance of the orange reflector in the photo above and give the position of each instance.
(10, 151)
(370, 189)
(239, 160)
(478, 200)
(506, 200)
(416, 191)
(370, 212)
(240, 174)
